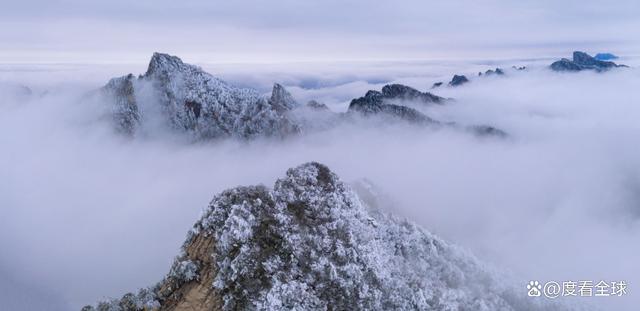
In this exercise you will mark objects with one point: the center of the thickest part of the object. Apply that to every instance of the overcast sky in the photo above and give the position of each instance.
(288, 30)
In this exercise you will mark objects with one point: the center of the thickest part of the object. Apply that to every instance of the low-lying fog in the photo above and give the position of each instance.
(85, 214)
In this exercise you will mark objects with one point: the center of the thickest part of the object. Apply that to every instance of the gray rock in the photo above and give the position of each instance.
(373, 103)
(121, 94)
(491, 72)
(605, 56)
(317, 106)
(458, 80)
(403, 92)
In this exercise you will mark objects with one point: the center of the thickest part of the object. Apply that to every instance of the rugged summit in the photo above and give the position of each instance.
(389, 102)
(491, 72)
(583, 61)
(193, 101)
(311, 243)
(374, 103)
(282, 100)
(403, 92)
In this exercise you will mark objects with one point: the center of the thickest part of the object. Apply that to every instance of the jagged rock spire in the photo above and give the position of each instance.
(281, 99)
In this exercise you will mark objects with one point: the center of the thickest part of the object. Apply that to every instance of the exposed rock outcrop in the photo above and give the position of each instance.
(458, 80)
(311, 243)
(389, 102)
(373, 103)
(405, 93)
(583, 61)
(491, 72)
(281, 99)
(392, 103)
(121, 93)
(317, 106)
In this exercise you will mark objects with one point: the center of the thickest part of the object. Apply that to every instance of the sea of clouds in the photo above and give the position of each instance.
(87, 214)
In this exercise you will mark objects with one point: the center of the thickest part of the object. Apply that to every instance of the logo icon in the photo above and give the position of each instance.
(533, 289)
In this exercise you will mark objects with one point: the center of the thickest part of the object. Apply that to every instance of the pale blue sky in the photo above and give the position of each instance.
(286, 30)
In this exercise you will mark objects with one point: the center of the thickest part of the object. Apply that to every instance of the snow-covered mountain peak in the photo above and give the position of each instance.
(164, 62)
(193, 101)
(311, 243)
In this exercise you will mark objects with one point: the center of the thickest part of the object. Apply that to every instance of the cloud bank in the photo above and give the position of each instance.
(87, 214)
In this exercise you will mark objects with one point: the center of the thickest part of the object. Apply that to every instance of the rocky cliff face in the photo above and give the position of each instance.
(311, 243)
(583, 61)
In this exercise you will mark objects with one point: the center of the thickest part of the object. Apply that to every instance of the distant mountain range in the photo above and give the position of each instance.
(194, 102)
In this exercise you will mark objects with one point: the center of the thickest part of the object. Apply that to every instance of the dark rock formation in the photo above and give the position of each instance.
(317, 106)
(311, 243)
(519, 67)
(582, 61)
(458, 80)
(491, 72)
(373, 103)
(406, 93)
(389, 103)
(437, 84)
